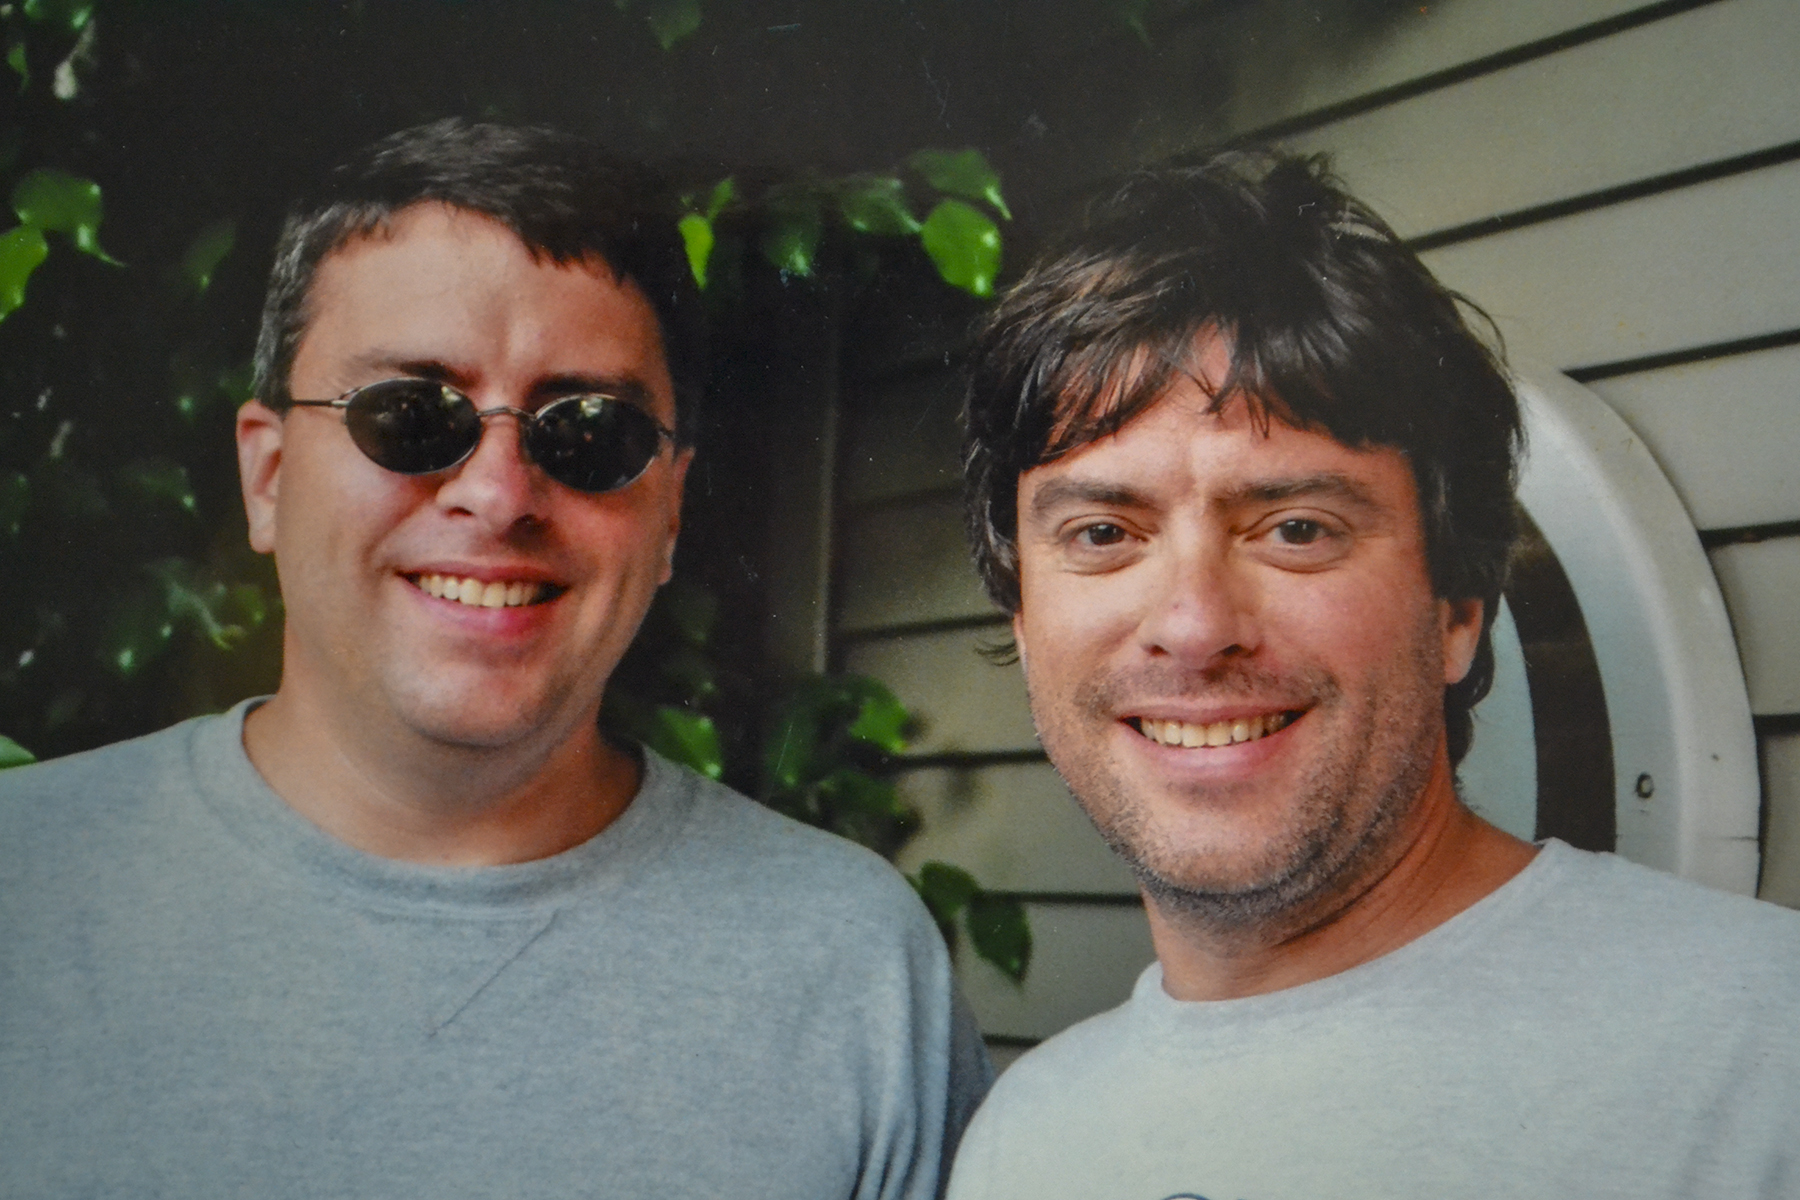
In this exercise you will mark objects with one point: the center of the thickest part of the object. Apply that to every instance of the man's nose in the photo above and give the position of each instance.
(498, 483)
(1201, 606)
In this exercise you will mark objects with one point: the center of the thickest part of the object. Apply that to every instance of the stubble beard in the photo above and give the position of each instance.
(1346, 813)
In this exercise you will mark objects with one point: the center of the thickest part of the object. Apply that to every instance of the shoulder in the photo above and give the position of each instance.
(1598, 930)
(1625, 908)
(69, 823)
(758, 857)
(1067, 1073)
(1049, 1104)
(108, 778)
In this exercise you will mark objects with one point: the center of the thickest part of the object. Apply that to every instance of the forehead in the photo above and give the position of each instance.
(460, 291)
(1181, 449)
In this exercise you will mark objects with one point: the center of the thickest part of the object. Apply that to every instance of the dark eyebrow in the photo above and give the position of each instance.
(627, 388)
(1329, 485)
(1059, 492)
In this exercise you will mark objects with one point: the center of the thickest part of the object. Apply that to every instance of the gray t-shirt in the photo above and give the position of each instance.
(1592, 1029)
(203, 995)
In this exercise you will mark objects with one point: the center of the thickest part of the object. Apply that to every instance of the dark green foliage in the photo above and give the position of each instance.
(123, 575)
(788, 221)
(820, 749)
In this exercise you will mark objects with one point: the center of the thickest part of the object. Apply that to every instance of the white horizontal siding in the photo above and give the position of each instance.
(1725, 431)
(1014, 827)
(903, 436)
(1760, 581)
(907, 563)
(1711, 263)
(1442, 35)
(962, 701)
(1084, 961)
(1709, 84)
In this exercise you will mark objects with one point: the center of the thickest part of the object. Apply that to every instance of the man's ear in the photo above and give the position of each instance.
(259, 430)
(1018, 628)
(1462, 634)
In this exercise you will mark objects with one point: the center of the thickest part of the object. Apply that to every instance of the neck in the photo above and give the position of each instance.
(1440, 861)
(402, 796)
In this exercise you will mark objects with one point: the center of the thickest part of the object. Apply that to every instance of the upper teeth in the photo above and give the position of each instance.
(1219, 733)
(481, 593)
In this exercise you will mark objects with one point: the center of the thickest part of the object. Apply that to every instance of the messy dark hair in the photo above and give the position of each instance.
(563, 199)
(1332, 324)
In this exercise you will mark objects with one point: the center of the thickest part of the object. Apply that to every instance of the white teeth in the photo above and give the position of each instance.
(1219, 733)
(479, 593)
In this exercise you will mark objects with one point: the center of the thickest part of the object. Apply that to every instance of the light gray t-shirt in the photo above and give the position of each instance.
(203, 995)
(1592, 1029)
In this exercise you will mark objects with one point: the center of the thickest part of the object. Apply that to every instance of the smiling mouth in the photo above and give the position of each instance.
(1219, 733)
(486, 593)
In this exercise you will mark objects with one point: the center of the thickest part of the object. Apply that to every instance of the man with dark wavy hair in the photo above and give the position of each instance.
(414, 925)
(1243, 475)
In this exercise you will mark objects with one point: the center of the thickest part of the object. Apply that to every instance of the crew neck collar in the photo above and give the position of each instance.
(229, 784)
(1553, 861)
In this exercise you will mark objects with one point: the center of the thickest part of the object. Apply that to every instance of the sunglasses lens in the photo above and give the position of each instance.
(593, 443)
(413, 426)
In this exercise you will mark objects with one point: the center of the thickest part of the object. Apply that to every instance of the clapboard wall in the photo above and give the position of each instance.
(1618, 184)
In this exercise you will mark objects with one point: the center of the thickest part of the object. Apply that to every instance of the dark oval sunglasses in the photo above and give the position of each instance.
(592, 443)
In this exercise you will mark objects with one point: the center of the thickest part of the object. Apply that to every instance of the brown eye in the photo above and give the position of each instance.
(1300, 532)
(1102, 535)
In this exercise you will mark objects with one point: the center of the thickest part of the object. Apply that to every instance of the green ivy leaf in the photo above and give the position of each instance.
(964, 173)
(688, 739)
(1000, 933)
(791, 239)
(207, 251)
(697, 236)
(14, 755)
(697, 232)
(160, 479)
(877, 205)
(723, 193)
(56, 201)
(21, 251)
(964, 245)
(862, 792)
(247, 601)
(72, 15)
(15, 58)
(139, 630)
(791, 746)
(15, 497)
(945, 889)
(881, 720)
(191, 600)
(673, 20)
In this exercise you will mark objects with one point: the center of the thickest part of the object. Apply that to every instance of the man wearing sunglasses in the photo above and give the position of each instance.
(413, 925)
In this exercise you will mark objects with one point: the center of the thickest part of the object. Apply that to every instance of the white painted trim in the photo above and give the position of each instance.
(1675, 692)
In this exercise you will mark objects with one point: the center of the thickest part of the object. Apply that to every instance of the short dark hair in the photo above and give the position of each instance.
(563, 198)
(1332, 324)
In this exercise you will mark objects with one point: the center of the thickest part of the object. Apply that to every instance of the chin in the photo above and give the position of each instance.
(492, 723)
